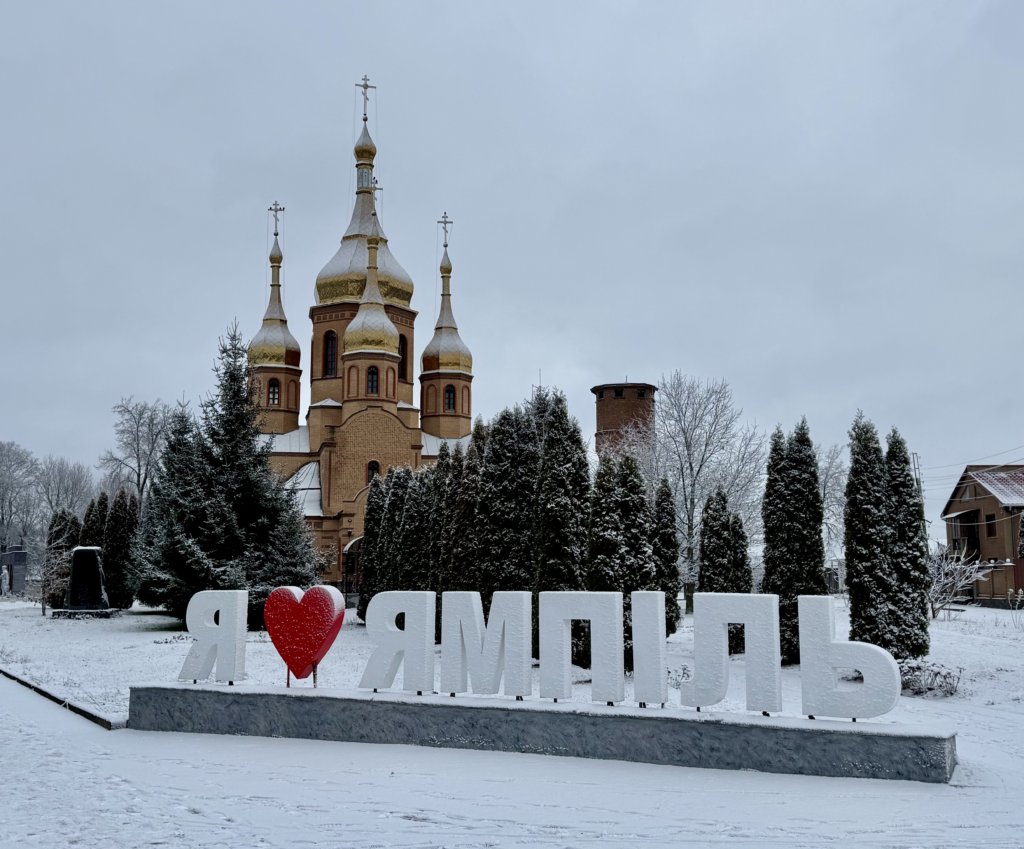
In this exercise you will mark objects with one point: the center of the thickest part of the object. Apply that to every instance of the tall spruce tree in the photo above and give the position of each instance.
(638, 569)
(506, 505)
(372, 517)
(437, 554)
(563, 495)
(222, 519)
(721, 566)
(465, 564)
(606, 543)
(774, 514)
(908, 552)
(389, 546)
(95, 521)
(868, 572)
(665, 549)
(62, 535)
(118, 546)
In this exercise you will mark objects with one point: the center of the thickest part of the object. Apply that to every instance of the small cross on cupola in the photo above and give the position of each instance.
(276, 209)
(365, 86)
(445, 222)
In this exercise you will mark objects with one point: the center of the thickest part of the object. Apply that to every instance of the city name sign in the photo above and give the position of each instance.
(478, 656)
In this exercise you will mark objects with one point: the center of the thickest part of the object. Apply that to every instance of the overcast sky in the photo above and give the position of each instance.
(819, 202)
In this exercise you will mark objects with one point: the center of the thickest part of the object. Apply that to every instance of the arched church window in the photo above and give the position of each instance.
(330, 353)
(274, 392)
(372, 470)
(449, 398)
(372, 381)
(403, 356)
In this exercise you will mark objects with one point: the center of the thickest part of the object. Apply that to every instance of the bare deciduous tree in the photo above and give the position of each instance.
(64, 485)
(953, 573)
(140, 431)
(699, 443)
(19, 500)
(832, 473)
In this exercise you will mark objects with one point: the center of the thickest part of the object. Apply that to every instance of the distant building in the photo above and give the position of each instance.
(620, 405)
(362, 418)
(982, 517)
(14, 562)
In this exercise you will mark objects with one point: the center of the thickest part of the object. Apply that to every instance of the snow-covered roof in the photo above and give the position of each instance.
(1007, 486)
(306, 483)
(295, 442)
(432, 444)
(402, 405)
(327, 402)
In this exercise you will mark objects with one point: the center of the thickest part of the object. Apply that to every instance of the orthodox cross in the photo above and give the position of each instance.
(365, 86)
(445, 222)
(276, 209)
(376, 188)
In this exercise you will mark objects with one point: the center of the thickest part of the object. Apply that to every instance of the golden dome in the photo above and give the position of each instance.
(344, 277)
(446, 351)
(371, 329)
(274, 343)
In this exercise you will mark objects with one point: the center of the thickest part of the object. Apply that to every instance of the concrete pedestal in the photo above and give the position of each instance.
(657, 736)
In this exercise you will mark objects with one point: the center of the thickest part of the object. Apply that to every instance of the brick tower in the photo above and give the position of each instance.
(275, 355)
(619, 405)
(447, 369)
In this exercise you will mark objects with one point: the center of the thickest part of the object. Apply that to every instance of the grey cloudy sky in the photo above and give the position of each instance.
(820, 202)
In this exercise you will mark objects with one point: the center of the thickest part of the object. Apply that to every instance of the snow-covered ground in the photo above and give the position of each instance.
(65, 780)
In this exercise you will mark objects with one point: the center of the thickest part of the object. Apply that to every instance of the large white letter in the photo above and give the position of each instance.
(821, 655)
(650, 674)
(467, 646)
(415, 643)
(604, 610)
(217, 619)
(712, 615)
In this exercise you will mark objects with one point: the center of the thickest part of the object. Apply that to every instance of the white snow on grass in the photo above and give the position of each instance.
(67, 781)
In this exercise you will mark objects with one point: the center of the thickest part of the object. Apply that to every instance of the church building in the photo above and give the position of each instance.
(362, 416)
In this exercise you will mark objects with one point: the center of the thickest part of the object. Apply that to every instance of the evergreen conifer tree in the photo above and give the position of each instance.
(506, 505)
(437, 554)
(724, 561)
(775, 515)
(219, 517)
(118, 545)
(638, 568)
(563, 494)
(94, 522)
(389, 545)
(465, 564)
(908, 552)
(868, 575)
(606, 542)
(63, 534)
(665, 548)
(372, 533)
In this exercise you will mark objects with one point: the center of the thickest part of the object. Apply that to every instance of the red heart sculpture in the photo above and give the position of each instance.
(303, 626)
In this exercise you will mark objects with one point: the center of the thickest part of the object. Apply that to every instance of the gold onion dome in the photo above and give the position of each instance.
(344, 277)
(371, 329)
(446, 351)
(274, 343)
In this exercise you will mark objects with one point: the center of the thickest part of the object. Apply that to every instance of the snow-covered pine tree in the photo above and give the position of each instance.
(506, 505)
(95, 521)
(665, 548)
(606, 542)
(372, 533)
(389, 555)
(739, 556)
(868, 573)
(478, 437)
(266, 534)
(62, 535)
(720, 568)
(775, 514)
(908, 552)
(563, 496)
(638, 569)
(118, 545)
(440, 480)
(447, 513)
(803, 572)
(465, 564)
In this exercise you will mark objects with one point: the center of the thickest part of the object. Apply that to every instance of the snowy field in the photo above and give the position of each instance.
(67, 782)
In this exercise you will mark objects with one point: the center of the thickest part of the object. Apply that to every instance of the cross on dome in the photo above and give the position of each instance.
(445, 222)
(276, 209)
(365, 86)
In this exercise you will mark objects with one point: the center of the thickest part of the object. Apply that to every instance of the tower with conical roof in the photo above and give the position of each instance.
(274, 355)
(339, 291)
(446, 399)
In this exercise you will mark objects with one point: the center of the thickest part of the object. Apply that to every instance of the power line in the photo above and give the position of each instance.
(969, 462)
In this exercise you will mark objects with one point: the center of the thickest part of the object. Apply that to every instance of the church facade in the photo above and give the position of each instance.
(362, 417)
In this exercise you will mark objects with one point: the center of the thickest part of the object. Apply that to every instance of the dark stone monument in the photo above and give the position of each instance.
(85, 589)
(15, 562)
